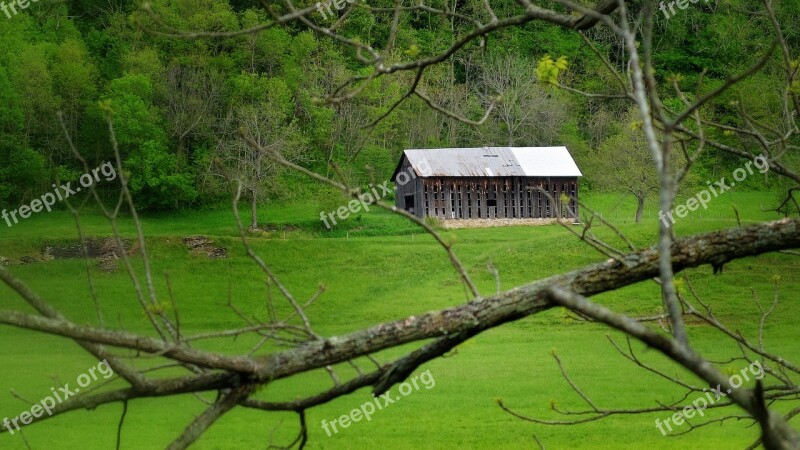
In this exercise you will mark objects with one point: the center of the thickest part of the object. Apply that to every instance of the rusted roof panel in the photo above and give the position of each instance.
(465, 162)
(493, 162)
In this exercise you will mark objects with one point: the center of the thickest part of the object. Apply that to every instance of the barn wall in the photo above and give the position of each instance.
(493, 197)
(412, 187)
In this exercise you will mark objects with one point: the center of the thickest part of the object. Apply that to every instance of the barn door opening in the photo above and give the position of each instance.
(409, 201)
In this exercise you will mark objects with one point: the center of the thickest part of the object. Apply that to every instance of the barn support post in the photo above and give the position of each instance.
(557, 196)
(419, 198)
(446, 197)
(482, 187)
(526, 198)
(501, 198)
(467, 199)
(424, 204)
(491, 197)
(472, 203)
(460, 198)
(462, 192)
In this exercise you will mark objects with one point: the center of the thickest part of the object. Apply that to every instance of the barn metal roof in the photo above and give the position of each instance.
(493, 162)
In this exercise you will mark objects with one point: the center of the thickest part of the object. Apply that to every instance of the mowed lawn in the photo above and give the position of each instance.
(377, 268)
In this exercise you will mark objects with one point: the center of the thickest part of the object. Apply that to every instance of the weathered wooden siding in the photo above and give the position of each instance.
(488, 197)
(412, 187)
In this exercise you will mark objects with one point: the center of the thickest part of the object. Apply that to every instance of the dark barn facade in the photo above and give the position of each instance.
(487, 183)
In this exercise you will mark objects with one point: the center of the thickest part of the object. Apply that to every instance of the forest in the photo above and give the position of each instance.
(176, 104)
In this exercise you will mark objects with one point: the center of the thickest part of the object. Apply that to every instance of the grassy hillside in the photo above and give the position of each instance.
(378, 268)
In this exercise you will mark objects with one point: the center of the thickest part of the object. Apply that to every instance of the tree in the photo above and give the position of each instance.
(266, 118)
(74, 77)
(528, 113)
(193, 99)
(39, 101)
(156, 179)
(623, 163)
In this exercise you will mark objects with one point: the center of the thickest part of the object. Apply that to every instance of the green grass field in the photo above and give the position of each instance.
(379, 268)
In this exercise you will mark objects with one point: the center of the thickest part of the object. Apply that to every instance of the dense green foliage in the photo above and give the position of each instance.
(177, 104)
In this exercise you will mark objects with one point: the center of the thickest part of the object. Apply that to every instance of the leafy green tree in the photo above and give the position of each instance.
(623, 164)
(23, 172)
(34, 82)
(267, 120)
(155, 181)
(75, 79)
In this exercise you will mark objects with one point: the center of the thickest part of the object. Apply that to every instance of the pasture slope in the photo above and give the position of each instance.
(378, 268)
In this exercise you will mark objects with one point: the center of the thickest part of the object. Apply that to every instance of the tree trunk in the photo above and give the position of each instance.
(253, 210)
(639, 207)
(180, 154)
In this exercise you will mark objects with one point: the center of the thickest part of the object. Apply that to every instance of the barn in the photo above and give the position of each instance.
(487, 182)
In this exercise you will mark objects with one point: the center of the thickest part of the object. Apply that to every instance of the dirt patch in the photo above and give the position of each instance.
(108, 264)
(25, 259)
(486, 223)
(95, 248)
(201, 245)
(106, 250)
